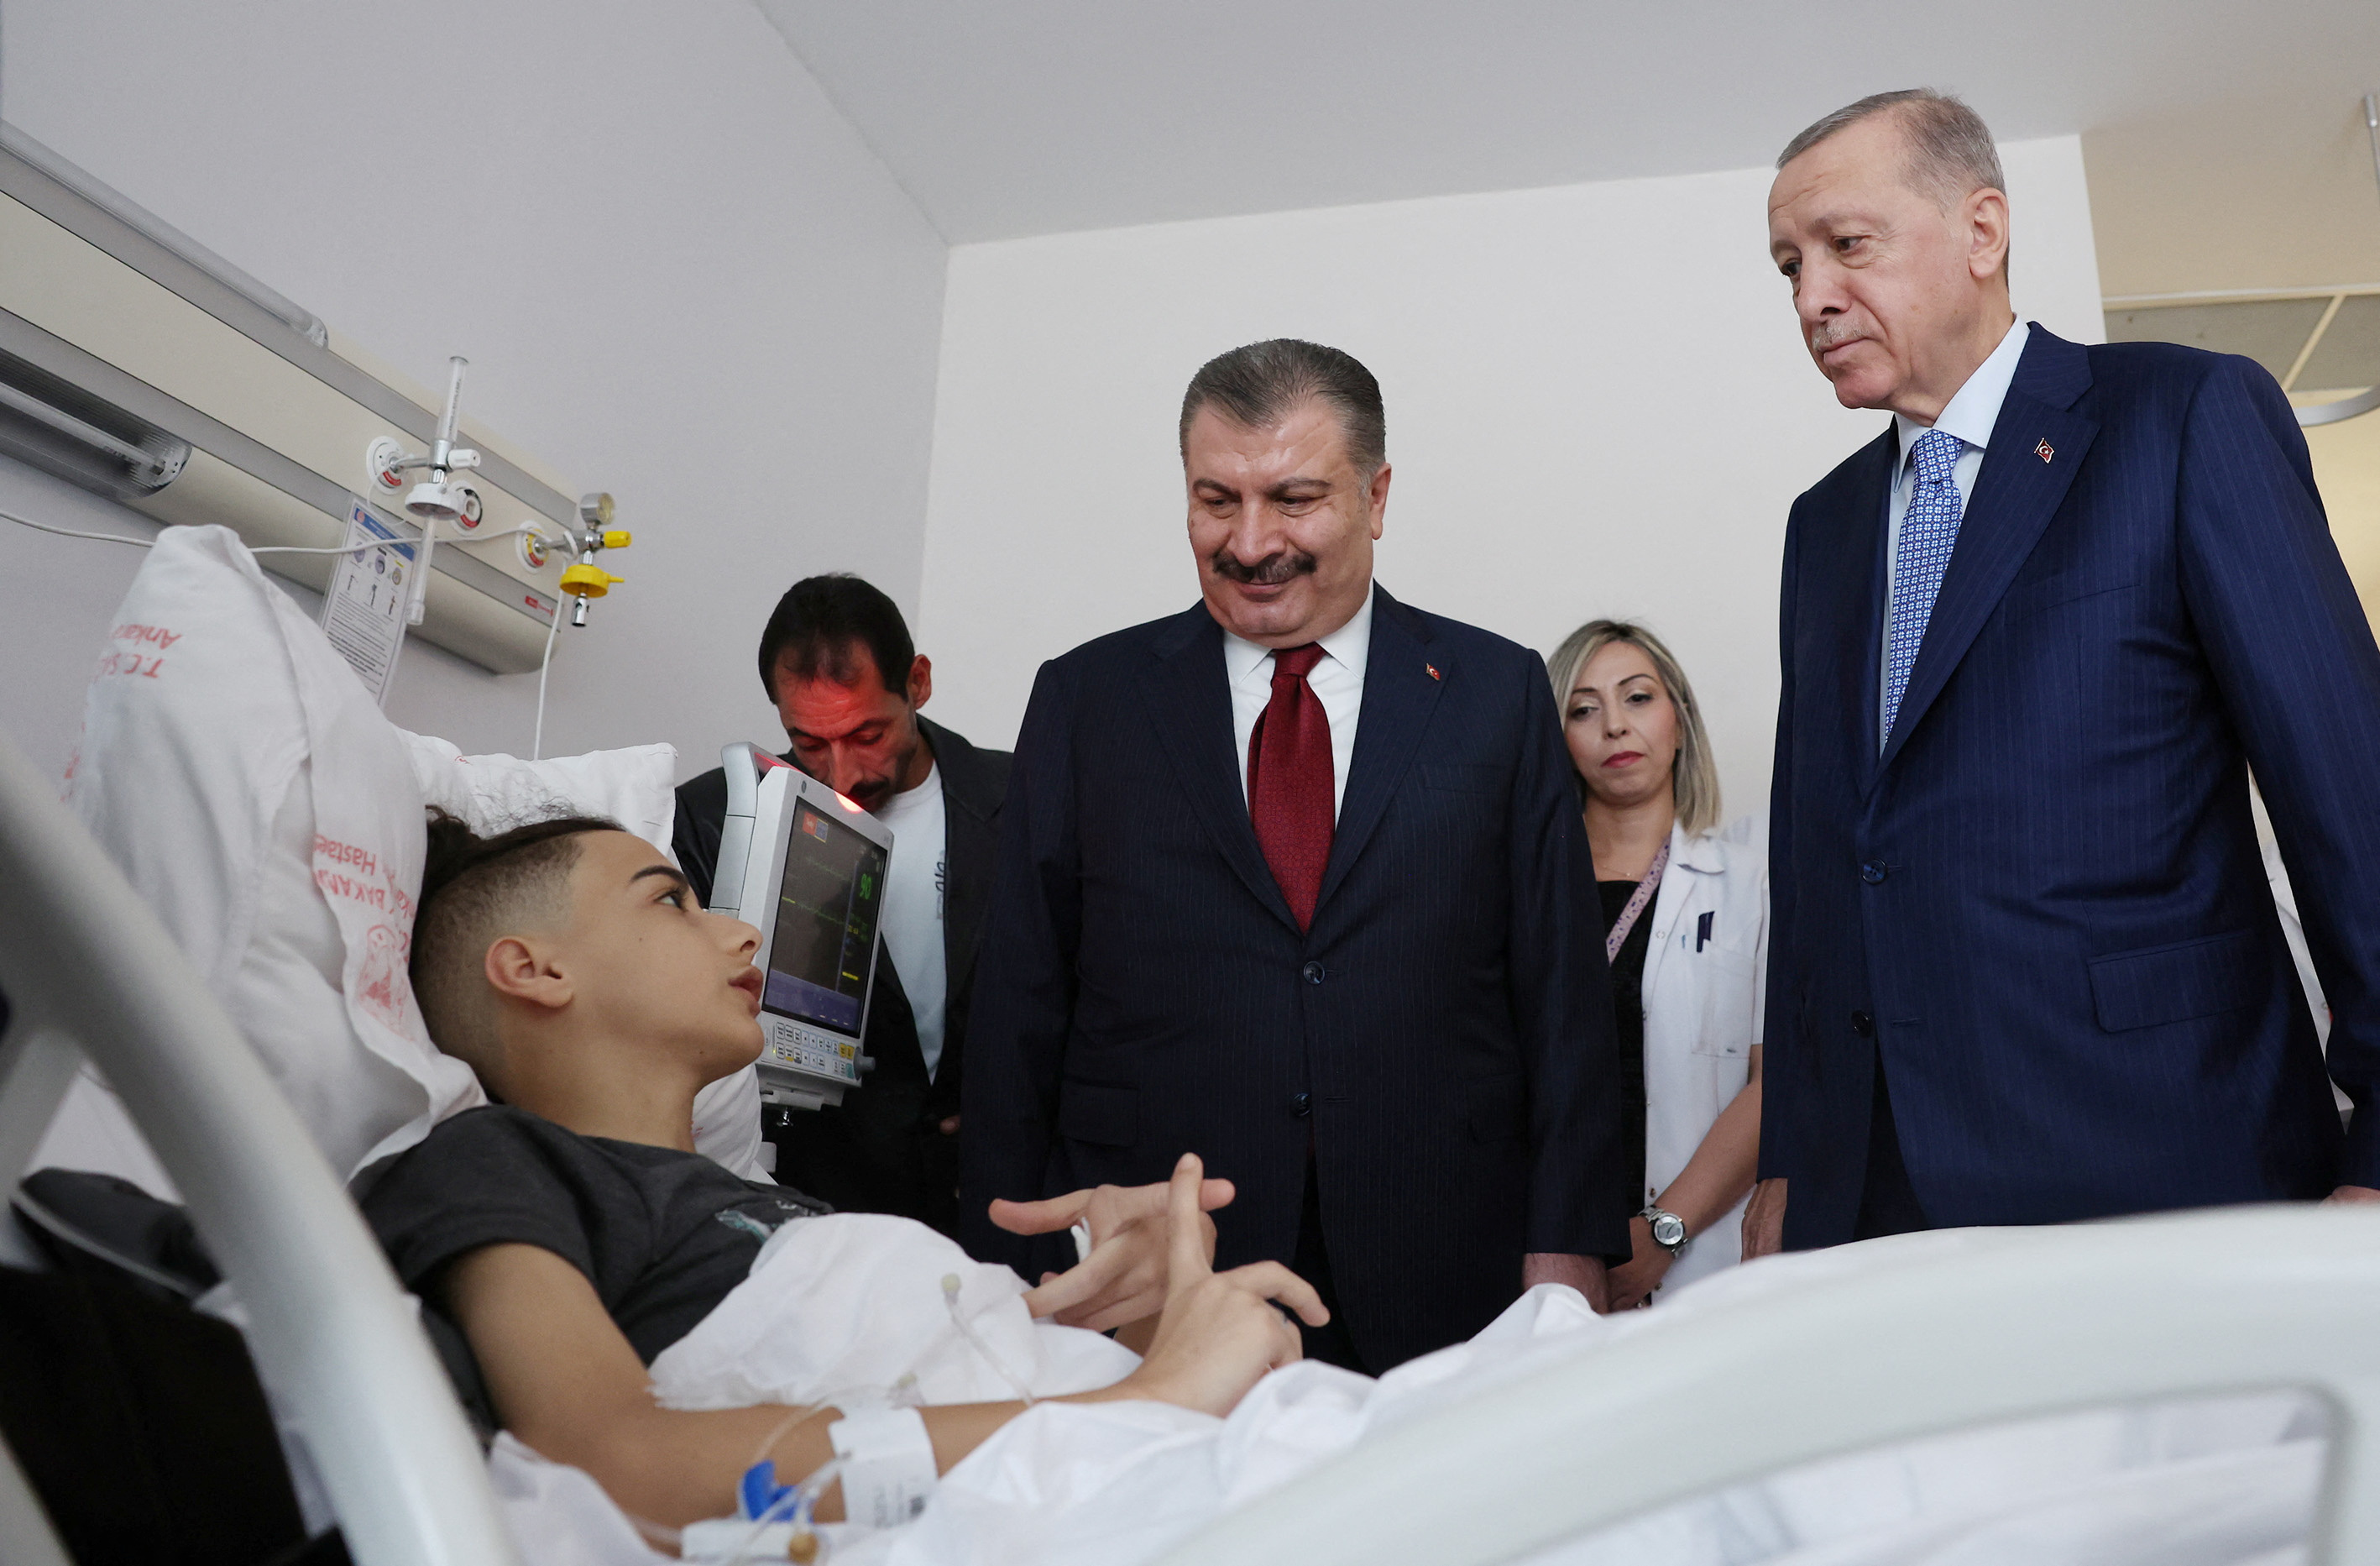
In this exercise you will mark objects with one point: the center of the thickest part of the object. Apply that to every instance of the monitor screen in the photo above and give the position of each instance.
(827, 906)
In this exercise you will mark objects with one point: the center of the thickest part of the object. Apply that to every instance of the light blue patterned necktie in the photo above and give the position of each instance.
(1928, 532)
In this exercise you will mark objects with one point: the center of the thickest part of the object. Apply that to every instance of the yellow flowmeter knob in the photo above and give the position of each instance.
(587, 581)
(618, 537)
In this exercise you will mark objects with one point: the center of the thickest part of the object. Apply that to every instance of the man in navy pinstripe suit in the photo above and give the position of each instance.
(2024, 966)
(1295, 880)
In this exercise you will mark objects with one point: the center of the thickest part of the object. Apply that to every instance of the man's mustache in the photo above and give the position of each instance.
(1285, 566)
(1827, 335)
(866, 793)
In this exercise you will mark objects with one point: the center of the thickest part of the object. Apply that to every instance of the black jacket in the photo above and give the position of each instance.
(882, 1150)
(1439, 1045)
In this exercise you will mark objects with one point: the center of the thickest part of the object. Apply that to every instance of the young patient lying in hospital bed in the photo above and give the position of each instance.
(572, 1233)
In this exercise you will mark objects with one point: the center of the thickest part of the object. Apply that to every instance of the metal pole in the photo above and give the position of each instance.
(2372, 128)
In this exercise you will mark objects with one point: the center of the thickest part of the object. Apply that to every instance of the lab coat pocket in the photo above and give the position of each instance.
(1727, 984)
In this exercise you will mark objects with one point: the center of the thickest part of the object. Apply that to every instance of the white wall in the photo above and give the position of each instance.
(1597, 405)
(678, 272)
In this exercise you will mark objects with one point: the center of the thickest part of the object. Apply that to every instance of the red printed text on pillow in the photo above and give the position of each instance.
(334, 861)
(131, 660)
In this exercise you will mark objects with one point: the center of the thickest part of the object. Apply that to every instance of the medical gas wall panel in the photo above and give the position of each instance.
(136, 371)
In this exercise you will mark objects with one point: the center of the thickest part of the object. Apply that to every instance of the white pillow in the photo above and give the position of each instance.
(239, 773)
(236, 771)
(634, 787)
(494, 794)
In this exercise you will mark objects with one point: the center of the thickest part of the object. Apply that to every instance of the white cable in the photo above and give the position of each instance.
(537, 745)
(267, 549)
(70, 533)
(334, 548)
(381, 543)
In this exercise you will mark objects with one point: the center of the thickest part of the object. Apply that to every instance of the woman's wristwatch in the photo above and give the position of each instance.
(1668, 1231)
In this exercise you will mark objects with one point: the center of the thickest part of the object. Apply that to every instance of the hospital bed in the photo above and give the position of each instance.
(87, 971)
(2013, 1325)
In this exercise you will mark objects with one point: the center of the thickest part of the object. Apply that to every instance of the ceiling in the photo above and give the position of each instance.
(2271, 190)
(2321, 344)
(1031, 116)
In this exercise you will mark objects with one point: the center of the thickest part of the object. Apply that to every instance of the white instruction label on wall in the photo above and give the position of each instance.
(364, 612)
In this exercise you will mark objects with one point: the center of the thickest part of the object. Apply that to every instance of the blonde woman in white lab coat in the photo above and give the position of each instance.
(1686, 918)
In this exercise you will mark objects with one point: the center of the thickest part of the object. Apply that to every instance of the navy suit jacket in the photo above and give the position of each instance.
(1441, 1040)
(2042, 902)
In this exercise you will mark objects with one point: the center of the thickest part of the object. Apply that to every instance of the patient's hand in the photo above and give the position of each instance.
(1219, 1332)
(1123, 1278)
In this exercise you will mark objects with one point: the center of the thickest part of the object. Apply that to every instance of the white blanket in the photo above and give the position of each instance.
(854, 1305)
(844, 1306)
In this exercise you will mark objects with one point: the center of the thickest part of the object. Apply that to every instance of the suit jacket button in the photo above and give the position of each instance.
(1864, 1024)
(1874, 871)
(1313, 972)
(1302, 1105)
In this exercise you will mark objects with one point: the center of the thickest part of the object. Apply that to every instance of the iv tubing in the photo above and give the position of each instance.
(966, 1330)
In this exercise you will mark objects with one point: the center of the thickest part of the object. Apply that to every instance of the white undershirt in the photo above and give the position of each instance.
(913, 905)
(1970, 414)
(1337, 681)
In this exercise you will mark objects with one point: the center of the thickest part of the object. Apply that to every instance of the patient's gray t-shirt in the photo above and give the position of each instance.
(662, 1234)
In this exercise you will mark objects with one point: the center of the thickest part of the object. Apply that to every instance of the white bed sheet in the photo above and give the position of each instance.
(851, 1302)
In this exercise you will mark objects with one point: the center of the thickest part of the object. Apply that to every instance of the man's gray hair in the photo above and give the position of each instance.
(1259, 386)
(1950, 151)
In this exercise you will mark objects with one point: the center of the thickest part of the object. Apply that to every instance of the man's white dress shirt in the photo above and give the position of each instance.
(1969, 414)
(1337, 682)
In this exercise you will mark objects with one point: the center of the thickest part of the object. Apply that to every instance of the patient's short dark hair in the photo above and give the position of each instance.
(822, 621)
(1259, 386)
(475, 890)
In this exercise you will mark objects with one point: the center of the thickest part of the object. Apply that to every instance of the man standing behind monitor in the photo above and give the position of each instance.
(837, 662)
(1294, 879)
(2023, 963)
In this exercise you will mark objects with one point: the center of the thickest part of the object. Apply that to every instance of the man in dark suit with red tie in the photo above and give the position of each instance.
(1295, 881)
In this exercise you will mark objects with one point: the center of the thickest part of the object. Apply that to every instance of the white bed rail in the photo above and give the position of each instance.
(86, 967)
(2007, 1325)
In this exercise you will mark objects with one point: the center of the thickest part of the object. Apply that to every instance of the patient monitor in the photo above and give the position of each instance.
(806, 866)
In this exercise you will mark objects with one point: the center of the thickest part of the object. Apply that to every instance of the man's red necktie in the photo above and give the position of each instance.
(1289, 781)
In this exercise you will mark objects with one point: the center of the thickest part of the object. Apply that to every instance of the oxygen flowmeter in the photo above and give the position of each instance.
(586, 579)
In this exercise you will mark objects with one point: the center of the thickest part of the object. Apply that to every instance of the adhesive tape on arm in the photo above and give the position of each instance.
(888, 1466)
